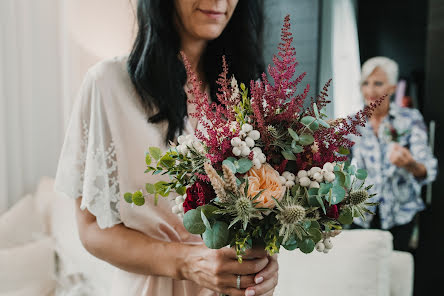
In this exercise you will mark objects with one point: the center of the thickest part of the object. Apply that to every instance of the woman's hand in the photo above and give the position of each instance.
(267, 279)
(402, 158)
(217, 270)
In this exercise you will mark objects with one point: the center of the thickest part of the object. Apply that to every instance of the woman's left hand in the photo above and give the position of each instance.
(266, 280)
(402, 158)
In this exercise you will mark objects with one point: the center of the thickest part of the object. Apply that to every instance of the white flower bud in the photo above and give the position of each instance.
(242, 144)
(326, 250)
(291, 177)
(179, 199)
(245, 151)
(236, 141)
(262, 158)
(257, 150)
(302, 173)
(175, 209)
(329, 177)
(318, 177)
(285, 174)
(181, 139)
(249, 141)
(328, 167)
(328, 244)
(246, 128)
(180, 207)
(282, 179)
(304, 181)
(242, 134)
(314, 184)
(320, 247)
(256, 163)
(314, 170)
(254, 134)
(236, 151)
(289, 184)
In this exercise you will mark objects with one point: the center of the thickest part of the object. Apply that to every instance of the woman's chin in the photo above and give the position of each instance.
(210, 32)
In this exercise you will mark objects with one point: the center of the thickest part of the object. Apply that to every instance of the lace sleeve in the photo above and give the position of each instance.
(87, 165)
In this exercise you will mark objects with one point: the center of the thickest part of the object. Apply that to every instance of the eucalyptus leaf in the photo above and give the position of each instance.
(193, 223)
(138, 198)
(315, 110)
(150, 188)
(155, 152)
(347, 182)
(306, 139)
(148, 159)
(314, 126)
(293, 134)
(230, 165)
(296, 148)
(217, 237)
(337, 194)
(325, 188)
(244, 165)
(340, 178)
(288, 155)
(316, 234)
(346, 217)
(307, 120)
(351, 169)
(306, 224)
(323, 123)
(128, 197)
(307, 245)
(161, 188)
(291, 244)
(315, 224)
(209, 210)
(361, 174)
(205, 220)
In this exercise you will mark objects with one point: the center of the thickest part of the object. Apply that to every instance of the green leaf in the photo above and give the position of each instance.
(244, 165)
(315, 110)
(343, 151)
(345, 217)
(217, 237)
(315, 224)
(351, 169)
(205, 220)
(323, 123)
(306, 224)
(314, 126)
(306, 139)
(181, 190)
(325, 188)
(167, 161)
(288, 155)
(293, 134)
(337, 194)
(193, 223)
(161, 188)
(316, 234)
(296, 148)
(340, 178)
(150, 188)
(347, 182)
(128, 197)
(148, 159)
(307, 120)
(155, 152)
(307, 245)
(313, 191)
(138, 198)
(361, 174)
(209, 210)
(291, 244)
(230, 165)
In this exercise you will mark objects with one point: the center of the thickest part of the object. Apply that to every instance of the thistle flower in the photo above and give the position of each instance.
(358, 196)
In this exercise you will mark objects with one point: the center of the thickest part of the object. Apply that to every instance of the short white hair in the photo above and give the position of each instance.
(389, 66)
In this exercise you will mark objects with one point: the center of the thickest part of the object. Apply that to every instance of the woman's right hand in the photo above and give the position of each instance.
(217, 270)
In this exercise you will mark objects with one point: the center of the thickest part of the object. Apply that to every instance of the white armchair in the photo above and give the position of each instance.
(41, 255)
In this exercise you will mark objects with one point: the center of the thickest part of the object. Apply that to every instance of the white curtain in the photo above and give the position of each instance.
(46, 46)
(339, 56)
(346, 63)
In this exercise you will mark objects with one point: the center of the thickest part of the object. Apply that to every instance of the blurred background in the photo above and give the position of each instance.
(46, 47)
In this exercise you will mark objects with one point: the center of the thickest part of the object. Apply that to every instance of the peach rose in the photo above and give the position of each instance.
(265, 178)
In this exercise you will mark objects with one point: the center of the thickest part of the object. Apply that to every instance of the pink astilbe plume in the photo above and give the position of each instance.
(215, 118)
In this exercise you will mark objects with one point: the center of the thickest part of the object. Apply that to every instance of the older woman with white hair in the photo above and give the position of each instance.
(394, 151)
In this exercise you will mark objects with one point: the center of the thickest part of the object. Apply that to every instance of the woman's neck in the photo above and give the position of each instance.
(194, 50)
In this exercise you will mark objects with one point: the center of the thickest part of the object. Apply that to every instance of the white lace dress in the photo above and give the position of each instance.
(103, 156)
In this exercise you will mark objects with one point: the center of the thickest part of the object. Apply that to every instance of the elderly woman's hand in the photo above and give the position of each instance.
(402, 158)
(266, 280)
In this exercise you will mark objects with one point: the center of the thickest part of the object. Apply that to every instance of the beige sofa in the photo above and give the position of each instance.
(40, 254)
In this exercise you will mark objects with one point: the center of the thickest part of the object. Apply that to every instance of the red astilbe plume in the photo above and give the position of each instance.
(212, 116)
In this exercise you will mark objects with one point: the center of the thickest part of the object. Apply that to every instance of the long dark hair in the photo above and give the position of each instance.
(159, 75)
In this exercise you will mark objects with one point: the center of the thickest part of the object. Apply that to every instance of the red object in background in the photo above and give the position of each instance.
(407, 102)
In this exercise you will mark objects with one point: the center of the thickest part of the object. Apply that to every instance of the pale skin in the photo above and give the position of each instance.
(198, 21)
(375, 86)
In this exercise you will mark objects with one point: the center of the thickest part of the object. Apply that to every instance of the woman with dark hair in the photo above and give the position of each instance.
(128, 104)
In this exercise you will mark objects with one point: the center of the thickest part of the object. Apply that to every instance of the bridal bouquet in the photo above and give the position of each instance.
(264, 169)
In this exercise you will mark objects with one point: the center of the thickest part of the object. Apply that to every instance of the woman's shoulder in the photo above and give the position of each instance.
(109, 72)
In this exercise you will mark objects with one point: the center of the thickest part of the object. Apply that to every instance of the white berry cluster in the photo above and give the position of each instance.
(325, 244)
(185, 142)
(316, 175)
(288, 179)
(243, 145)
(178, 207)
